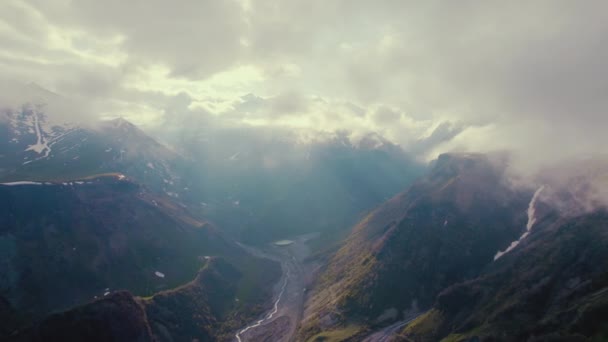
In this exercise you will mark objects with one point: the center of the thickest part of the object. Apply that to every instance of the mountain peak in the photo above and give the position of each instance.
(123, 125)
(452, 164)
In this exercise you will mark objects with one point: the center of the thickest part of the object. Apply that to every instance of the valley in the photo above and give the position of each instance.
(110, 215)
(281, 322)
(303, 171)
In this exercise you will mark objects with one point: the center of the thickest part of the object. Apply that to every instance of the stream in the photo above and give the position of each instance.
(280, 323)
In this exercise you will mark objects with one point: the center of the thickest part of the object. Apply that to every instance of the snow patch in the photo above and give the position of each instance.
(159, 274)
(234, 156)
(529, 225)
(41, 145)
(283, 242)
(21, 183)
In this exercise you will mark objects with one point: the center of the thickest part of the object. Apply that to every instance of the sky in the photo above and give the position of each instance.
(525, 76)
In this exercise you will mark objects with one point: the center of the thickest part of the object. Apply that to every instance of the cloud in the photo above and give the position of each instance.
(433, 76)
(444, 132)
(194, 38)
(284, 104)
(385, 115)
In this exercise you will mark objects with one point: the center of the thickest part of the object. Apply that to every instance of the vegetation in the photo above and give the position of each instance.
(336, 335)
(425, 324)
(68, 244)
(554, 287)
(444, 229)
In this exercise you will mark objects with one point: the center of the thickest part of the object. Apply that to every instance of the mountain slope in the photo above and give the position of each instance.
(553, 287)
(67, 243)
(268, 188)
(444, 229)
(118, 317)
(199, 310)
(39, 143)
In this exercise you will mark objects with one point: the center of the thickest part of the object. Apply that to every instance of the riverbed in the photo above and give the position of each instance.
(280, 323)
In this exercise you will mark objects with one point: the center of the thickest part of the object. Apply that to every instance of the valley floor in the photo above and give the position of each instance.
(280, 324)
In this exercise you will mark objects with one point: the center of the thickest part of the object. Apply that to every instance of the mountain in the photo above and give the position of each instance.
(195, 311)
(553, 287)
(67, 243)
(463, 256)
(38, 144)
(202, 309)
(258, 187)
(117, 317)
(263, 187)
(444, 229)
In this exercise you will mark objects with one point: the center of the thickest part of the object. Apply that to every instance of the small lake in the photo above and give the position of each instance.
(283, 242)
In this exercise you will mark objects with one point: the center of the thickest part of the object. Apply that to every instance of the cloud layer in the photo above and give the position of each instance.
(431, 75)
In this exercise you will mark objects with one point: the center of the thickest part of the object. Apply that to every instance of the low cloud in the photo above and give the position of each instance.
(443, 133)
(386, 116)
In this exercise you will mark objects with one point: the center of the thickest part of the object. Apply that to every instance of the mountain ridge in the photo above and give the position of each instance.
(435, 233)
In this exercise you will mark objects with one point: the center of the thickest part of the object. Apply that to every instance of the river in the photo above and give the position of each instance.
(281, 322)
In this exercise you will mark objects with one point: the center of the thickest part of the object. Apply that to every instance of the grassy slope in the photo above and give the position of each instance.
(69, 243)
(205, 308)
(410, 235)
(554, 287)
(336, 335)
(202, 310)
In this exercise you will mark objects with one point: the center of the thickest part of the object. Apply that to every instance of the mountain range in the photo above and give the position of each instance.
(107, 234)
(465, 255)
